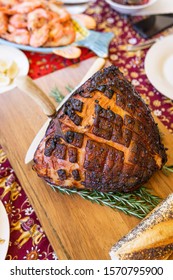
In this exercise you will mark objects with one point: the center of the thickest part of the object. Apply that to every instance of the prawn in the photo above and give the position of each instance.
(62, 13)
(3, 23)
(39, 36)
(19, 36)
(18, 20)
(37, 18)
(69, 34)
(55, 32)
(11, 28)
(9, 2)
(22, 8)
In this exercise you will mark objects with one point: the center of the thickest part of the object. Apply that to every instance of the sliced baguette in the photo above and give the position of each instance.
(151, 239)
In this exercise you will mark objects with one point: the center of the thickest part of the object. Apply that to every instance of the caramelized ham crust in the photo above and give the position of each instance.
(108, 139)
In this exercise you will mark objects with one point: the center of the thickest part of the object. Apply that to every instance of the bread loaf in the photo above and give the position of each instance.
(151, 239)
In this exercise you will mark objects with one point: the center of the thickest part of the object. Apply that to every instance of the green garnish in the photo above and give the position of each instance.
(138, 203)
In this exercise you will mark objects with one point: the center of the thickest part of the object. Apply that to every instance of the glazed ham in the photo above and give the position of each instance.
(103, 138)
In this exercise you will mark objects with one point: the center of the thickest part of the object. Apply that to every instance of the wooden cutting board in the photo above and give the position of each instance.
(76, 228)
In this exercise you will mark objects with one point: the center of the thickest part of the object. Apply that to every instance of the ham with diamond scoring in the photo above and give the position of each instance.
(103, 138)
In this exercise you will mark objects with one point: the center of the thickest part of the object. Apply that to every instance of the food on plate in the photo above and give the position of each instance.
(68, 52)
(2, 241)
(131, 2)
(103, 138)
(4, 80)
(36, 23)
(5, 64)
(8, 71)
(3, 23)
(13, 70)
(151, 239)
(88, 21)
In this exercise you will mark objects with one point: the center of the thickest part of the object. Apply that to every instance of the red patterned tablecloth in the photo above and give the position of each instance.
(27, 239)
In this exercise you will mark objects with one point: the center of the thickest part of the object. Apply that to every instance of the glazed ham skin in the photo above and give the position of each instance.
(108, 139)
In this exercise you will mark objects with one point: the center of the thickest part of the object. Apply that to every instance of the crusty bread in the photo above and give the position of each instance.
(151, 239)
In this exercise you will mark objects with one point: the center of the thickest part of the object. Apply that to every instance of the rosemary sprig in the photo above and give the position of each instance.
(167, 168)
(139, 203)
(57, 94)
(69, 88)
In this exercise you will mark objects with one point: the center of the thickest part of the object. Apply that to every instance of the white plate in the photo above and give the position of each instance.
(4, 231)
(19, 57)
(159, 66)
(74, 1)
(129, 9)
(76, 7)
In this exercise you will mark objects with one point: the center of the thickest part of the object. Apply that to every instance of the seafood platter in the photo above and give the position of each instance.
(47, 26)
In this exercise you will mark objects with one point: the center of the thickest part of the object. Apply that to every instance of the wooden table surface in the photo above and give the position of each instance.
(76, 228)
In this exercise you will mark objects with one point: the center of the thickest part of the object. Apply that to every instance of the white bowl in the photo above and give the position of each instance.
(129, 9)
(74, 1)
(76, 6)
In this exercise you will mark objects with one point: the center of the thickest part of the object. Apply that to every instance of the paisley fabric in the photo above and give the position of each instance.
(27, 238)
